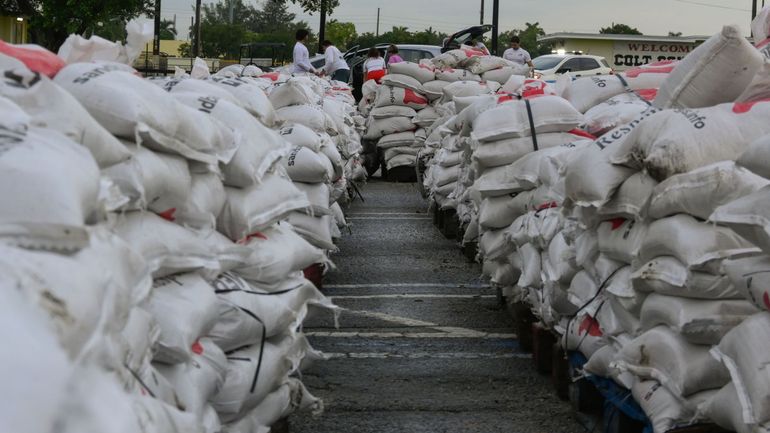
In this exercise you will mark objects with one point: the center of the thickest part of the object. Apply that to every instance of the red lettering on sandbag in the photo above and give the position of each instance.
(580, 133)
(168, 214)
(36, 59)
(745, 107)
(635, 72)
(504, 98)
(647, 94)
(272, 76)
(197, 348)
(766, 300)
(255, 235)
(617, 223)
(412, 96)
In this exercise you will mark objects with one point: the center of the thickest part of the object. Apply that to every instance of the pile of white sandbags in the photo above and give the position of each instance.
(153, 242)
(646, 247)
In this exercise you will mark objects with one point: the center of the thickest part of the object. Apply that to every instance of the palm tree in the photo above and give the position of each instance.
(167, 30)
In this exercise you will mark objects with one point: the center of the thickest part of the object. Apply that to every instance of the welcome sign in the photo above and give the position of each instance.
(634, 53)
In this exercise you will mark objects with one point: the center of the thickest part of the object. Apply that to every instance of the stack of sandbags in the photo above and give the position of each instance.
(156, 239)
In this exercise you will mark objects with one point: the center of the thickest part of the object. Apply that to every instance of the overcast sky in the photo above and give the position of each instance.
(652, 17)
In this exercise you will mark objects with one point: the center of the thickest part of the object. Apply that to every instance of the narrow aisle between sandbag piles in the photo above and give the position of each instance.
(423, 346)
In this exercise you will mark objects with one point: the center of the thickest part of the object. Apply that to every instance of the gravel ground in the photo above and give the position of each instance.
(422, 346)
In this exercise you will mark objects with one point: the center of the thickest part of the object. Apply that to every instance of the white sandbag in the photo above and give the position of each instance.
(204, 204)
(49, 185)
(392, 111)
(396, 140)
(632, 199)
(698, 321)
(717, 71)
(403, 81)
(377, 128)
(451, 75)
(506, 151)
(393, 152)
(38, 372)
(591, 178)
(559, 263)
(664, 410)
(318, 195)
(663, 355)
(205, 88)
(253, 209)
(678, 141)
(389, 95)
(748, 216)
(756, 158)
(185, 308)
(750, 277)
(599, 363)
(434, 89)
(315, 229)
(50, 106)
(289, 398)
(304, 165)
(482, 64)
(133, 108)
(615, 111)
(200, 378)
(250, 96)
(403, 160)
(698, 245)
(293, 92)
(276, 253)
(259, 148)
(531, 265)
(301, 135)
(701, 191)
(445, 175)
(493, 246)
(249, 313)
(668, 276)
(229, 254)
(256, 371)
(453, 58)
(587, 92)
(152, 180)
(420, 72)
(312, 116)
(549, 114)
(460, 89)
(725, 410)
(583, 334)
(166, 247)
(744, 354)
(503, 74)
(621, 239)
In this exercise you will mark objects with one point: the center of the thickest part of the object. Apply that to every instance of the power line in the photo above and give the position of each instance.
(712, 5)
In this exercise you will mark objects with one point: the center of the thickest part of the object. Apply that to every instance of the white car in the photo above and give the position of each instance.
(550, 66)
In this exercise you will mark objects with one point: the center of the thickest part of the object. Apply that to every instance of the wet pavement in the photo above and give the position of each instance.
(422, 346)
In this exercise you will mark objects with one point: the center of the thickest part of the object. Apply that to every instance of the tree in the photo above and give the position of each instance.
(220, 12)
(341, 34)
(675, 34)
(620, 29)
(273, 17)
(528, 38)
(315, 5)
(51, 21)
(167, 30)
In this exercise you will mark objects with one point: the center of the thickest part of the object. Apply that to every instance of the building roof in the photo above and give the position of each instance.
(615, 37)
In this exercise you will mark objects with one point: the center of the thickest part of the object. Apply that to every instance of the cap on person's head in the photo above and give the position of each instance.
(515, 40)
(302, 34)
(326, 43)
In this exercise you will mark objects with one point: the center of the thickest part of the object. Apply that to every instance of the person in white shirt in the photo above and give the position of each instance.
(374, 66)
(336, 67)
(517, 54)
(301, 54)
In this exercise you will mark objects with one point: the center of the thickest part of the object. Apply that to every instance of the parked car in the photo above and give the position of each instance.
(550, 66)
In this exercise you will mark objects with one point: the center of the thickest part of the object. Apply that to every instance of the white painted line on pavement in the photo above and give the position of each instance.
(424, 335)
(413, 296)
(427, 355)
(389, 218)
(386, 213)
(414, 285)
(405, 321)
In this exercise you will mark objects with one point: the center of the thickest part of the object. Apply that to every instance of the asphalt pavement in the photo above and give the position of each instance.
(422, 345)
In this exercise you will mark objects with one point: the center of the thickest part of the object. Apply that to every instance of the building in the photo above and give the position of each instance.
(625, 51)
(13, 29)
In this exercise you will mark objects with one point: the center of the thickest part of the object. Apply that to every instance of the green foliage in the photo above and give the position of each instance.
(341, 34)
(273, 17)
(400, 35)
(167, 30)
(620, 29)
(315, 5)
(51, 21)
(185, 50)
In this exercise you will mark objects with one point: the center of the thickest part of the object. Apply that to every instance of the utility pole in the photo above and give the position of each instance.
(481, 19)
(378, 22)
(156, 41)
(495, 22)
(322, 27)
(197, 45)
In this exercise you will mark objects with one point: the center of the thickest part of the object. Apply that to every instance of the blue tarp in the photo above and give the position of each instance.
(615, 396)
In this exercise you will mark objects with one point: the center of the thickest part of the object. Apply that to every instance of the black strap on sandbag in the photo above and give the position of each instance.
(531, 124)
(630, 90)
